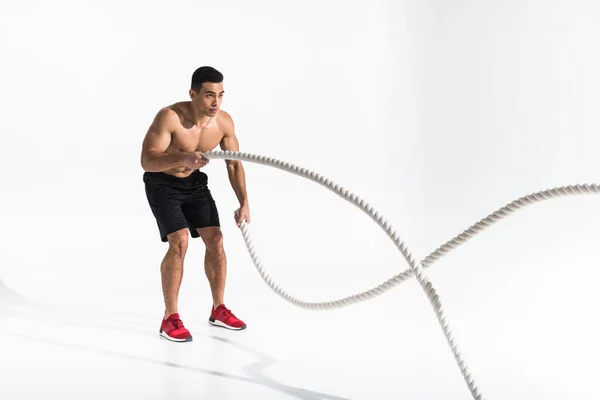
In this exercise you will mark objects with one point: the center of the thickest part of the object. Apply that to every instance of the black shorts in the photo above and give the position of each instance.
(179, 203)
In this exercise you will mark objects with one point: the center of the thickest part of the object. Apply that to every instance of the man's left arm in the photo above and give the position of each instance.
(235, 170)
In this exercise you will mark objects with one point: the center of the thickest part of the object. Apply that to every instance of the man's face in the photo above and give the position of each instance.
(208, 99)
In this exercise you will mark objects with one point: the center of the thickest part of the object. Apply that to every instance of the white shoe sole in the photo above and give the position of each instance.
(215, 322)
(172, 339)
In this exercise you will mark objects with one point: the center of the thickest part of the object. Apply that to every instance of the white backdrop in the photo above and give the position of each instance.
(438, 113)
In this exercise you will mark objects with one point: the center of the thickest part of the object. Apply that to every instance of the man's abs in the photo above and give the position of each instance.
(180, 172)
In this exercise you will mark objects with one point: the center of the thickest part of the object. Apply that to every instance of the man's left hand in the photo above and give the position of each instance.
(242, 214)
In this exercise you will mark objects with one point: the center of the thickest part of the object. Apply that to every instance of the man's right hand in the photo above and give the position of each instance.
(194, 160)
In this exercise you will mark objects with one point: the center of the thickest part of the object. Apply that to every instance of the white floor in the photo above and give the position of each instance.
(79, 317)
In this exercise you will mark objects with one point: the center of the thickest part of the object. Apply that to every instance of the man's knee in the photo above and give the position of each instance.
(213, 238)
(178, 242)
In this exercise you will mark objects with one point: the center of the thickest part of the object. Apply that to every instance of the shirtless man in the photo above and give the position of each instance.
(179, 197)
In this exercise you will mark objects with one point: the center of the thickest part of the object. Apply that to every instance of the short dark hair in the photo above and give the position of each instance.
(205, 74)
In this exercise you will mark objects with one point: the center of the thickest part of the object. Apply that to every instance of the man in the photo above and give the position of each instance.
(179, 197)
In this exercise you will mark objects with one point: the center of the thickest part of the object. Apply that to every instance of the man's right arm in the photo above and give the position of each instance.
(157, 140)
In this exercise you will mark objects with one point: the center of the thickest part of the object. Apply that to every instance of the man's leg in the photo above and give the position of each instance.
(215, 267)
(164, 200)
(215, 262)
(171, 270)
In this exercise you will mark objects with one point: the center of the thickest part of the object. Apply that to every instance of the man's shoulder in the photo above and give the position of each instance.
(225, 121)
(174, 110)
(171, 114)
(225, 116)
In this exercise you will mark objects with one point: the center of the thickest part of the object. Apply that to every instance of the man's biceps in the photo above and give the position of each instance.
(231, 142)
(160, 140)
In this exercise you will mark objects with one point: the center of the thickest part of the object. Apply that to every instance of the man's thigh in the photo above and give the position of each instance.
(165, 206)
(201, 211)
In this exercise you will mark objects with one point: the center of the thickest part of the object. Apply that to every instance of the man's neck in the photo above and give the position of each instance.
(198, 118)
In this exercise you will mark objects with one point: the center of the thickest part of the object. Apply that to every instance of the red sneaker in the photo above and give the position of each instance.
(221, 316)
(172, 328)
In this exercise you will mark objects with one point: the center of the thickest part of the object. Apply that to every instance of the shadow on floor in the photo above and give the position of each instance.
(13, 302)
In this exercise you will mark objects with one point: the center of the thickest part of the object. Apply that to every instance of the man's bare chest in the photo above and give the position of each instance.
(196, 139)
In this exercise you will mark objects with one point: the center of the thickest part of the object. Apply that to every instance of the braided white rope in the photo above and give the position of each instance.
(415, 268)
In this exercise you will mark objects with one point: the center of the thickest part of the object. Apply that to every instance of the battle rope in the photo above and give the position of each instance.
(416, 269)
